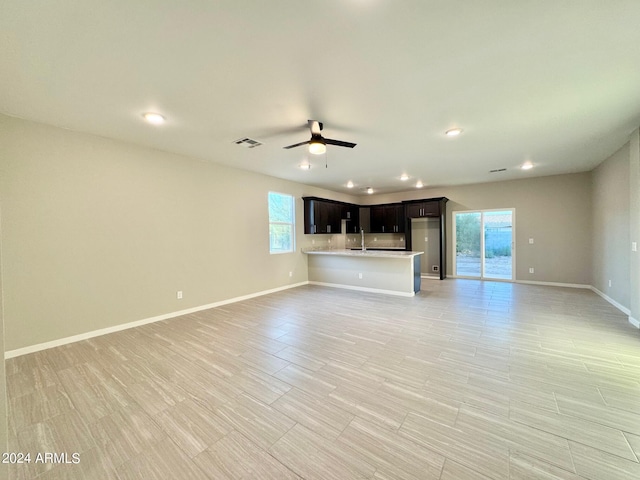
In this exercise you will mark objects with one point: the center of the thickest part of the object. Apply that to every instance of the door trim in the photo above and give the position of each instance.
(513, 243)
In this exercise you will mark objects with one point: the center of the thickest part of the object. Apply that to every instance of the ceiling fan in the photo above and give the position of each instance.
(318, 144)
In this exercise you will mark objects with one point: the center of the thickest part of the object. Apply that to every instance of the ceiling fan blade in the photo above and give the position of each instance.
(315, 127)
(297, 144)
(339, 143)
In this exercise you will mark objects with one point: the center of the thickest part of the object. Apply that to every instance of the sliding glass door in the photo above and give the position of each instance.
(484, 243)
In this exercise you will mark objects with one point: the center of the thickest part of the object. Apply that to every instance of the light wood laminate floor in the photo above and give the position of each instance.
(467, 380)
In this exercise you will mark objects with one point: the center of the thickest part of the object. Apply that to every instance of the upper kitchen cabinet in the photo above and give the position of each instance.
(325, 216)
(351, 214)
(431, 207)
(388, 218)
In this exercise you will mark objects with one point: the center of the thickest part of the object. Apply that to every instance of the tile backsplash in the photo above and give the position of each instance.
(376, 240)
(334, 241)
(341, 241)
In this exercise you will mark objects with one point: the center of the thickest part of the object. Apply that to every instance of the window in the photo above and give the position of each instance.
(281, 223)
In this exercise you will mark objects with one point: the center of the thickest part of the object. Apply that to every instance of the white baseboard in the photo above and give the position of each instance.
(125, 326)
(634, 322)
(554, 284)
(363, 289)
(526, 282)
(620, 307)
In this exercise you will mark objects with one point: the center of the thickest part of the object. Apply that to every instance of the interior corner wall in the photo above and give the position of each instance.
(611, 227)
(634, 223)
(99, 233)
(4, 432)
(555, 211)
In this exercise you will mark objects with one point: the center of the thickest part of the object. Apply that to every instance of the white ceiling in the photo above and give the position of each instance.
(553, 82)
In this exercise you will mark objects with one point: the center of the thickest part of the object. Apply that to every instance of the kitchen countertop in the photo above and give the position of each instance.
(365, 253)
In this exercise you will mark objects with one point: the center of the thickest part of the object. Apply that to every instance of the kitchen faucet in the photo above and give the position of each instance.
(362, 242)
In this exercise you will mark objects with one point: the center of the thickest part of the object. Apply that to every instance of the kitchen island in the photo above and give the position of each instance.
(381, 271)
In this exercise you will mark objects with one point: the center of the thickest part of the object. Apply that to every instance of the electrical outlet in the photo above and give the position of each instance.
(312, 241)
(435, 268)
(634, 246)
(609, 282)
(329, 240)
(426, 239)
(531, 241)
(179, 295)
(375, 239)
(360, 276)
(291, 274)
(531, 270)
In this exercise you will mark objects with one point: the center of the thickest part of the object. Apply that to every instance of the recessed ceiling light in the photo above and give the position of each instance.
(404, 177)
(419, 184)
(454, 132)
(369, 190)
(154, 118)
(305, 166)
(349, 184)
(527, 166)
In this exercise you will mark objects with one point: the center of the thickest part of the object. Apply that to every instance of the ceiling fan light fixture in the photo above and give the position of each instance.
(316, 147)
(453, 132)
(404, 177)
(349, 184)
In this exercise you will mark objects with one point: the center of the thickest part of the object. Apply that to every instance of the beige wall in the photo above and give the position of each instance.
(4, 470)
(390, 274)
(421, 229)
(611, 255)
(99, 233)
(634, 223)
(555, 211)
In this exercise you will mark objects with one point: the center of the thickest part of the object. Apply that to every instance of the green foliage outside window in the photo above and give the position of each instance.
(281, 223)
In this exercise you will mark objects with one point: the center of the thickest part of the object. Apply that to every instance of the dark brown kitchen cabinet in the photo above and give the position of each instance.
(422, 209)
(433, 208)
(352, 215)
(325, 216)
(388, 218)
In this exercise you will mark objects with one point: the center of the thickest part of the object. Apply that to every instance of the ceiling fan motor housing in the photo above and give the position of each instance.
(317, 138)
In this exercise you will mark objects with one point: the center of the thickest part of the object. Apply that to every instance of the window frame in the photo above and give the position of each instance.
(291, 224)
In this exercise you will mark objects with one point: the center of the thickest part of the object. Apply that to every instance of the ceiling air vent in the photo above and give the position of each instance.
(498, 170)
(248, 142)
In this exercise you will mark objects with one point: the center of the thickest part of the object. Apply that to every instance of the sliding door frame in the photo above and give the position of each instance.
(482, 252)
